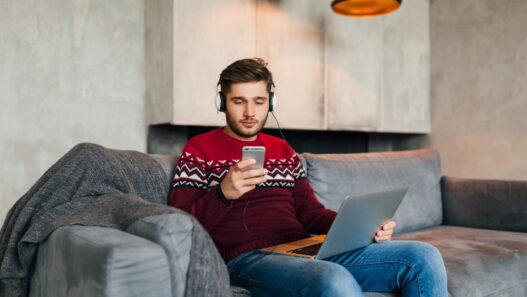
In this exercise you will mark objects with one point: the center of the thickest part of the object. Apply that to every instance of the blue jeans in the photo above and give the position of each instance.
(411, 268)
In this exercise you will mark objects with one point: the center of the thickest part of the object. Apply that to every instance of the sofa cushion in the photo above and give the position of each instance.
(480, 262)
(334, 176)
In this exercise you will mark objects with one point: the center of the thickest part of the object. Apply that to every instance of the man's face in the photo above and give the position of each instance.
(246, 111)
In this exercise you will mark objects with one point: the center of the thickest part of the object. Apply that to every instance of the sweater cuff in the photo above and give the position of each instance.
(220, 195)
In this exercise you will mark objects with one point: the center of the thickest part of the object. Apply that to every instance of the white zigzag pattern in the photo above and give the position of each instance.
(281, 161)
(283, 177)
(194, 173)
(267, 184)
(283, 172)
(287, 178)
(192, 176)
(280, 177)
(299, 167)
(181, 183)
(289, 161)
(223, 162)
(281, 184)
(300, 171)
(192, 157)
(217, 176)
(190, 169)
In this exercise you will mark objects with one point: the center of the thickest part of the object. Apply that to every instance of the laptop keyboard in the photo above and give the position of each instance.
(309, 250)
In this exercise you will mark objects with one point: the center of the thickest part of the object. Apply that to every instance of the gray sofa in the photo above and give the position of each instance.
(479, 226)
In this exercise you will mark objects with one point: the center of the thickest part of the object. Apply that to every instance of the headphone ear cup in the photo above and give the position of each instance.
(272, 101)
(220, 101)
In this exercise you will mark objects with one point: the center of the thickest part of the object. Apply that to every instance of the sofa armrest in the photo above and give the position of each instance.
(196, 267)
(173, 232)
(96, 261)
(489, 204)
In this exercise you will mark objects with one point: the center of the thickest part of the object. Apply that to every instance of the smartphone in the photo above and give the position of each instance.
(254, 152)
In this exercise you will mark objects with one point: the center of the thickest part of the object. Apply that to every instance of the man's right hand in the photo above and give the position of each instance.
(238, 182)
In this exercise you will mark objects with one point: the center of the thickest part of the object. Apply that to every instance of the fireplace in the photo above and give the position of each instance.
(170, 139)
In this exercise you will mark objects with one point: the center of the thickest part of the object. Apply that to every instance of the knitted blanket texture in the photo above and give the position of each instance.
(93, 185)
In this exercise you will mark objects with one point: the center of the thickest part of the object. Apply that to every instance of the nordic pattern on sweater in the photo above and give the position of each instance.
(282, 209)
(193, 171)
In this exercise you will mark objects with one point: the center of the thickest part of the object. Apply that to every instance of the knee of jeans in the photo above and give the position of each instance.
(335, 280)
(428, 260)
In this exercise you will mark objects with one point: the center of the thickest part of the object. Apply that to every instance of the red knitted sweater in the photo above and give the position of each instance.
(280, 210)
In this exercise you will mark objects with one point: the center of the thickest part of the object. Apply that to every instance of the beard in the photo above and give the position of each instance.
(238, 128)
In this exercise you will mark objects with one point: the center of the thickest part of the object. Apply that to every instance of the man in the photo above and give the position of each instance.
(245, 210)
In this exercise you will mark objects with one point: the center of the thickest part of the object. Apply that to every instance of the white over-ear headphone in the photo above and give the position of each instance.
(221, 100)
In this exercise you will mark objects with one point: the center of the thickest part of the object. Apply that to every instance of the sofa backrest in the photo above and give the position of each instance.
(334, 176)
(169, 164)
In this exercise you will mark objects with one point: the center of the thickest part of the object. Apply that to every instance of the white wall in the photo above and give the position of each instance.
(479, 87)
(70, 72)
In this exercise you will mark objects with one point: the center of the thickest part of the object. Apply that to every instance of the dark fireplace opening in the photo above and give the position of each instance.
(170, 140)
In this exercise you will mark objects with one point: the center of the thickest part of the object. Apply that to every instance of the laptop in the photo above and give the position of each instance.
(354, 227)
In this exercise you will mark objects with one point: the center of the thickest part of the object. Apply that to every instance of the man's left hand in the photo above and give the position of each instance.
(385, 232)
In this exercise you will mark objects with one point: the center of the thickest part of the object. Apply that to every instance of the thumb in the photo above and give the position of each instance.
(245, 163)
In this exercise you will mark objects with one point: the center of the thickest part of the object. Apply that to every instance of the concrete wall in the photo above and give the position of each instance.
(70, 72)
(479, 87)
(73, 71)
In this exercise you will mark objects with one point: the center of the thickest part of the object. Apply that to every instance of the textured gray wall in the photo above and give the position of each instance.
(70, 72)
(479, 87)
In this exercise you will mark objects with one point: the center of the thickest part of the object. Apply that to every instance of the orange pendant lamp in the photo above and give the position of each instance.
(364, 8)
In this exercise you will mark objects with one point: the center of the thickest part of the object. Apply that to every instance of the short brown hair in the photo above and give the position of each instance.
(245, 70)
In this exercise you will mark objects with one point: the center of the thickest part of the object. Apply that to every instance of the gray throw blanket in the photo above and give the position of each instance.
(92, 185)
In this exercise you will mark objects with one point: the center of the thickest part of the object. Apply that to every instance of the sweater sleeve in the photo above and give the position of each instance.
(191, 192)
(313, 216)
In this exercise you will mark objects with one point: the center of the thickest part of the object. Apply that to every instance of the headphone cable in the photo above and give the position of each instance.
(283, 137)
(280, 129)
(244, 220)
(254, 191)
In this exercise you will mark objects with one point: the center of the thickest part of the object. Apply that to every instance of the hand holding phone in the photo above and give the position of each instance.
(245, 175)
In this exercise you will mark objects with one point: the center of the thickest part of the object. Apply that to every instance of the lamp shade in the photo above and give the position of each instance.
(364, 8)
